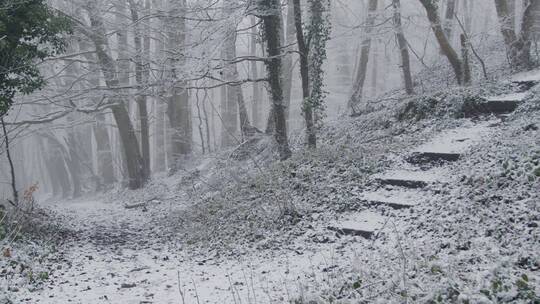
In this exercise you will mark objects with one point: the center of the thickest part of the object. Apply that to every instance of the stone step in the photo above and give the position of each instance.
(412, 179)
(525, 85)
(449, 145)
(499, 104)
(397, 199)
(431, 157)
(526, 80)
(364, 224)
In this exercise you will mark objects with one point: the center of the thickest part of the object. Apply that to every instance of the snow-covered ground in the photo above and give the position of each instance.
(235, 234)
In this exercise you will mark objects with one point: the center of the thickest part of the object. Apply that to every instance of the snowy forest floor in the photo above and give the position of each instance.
(228, 231)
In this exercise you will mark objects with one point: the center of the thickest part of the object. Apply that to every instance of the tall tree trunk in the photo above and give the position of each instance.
(518, 46)
(507, 30)
(14, 191)
(256, 102)
(360, 76)
(58, 166)
(468, 10)
(304, 74)
(529, 27)
(288, 38)
(444, 44)
(271, 26)
(179, 108)
(289, 41)
(160, 105)
(234, 92)
(128, 137)
(73, 161)
(403, 48)
(512, 15)
(230, 106)
(449, 19)
(465, 59)
(375, 69)
(105, 168)
(140, 77)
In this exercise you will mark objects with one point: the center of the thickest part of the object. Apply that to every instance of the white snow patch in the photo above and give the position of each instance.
(508, 97)
(533, 75)
(398, 197)
(367, 221)
(436, 174)
(457, 140)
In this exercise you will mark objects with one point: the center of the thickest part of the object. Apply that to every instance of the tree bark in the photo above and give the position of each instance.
(179, 107)
(127, 132)
(10, 161)
(449, 19)
(360, 76)
(444, 44)
(140, 77)
(465, 59)
(74, 162)
(105, 168)
(271, 27)
(289, 40)
(234, 92)
(304, 74)
(160, 105)
(518, 46)
(256, 102)
(403, 48)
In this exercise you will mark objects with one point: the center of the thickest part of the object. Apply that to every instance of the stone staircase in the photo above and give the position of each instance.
(408, 185)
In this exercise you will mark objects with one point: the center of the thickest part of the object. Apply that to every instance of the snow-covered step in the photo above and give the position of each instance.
(411, 178)
(432, 157)
(365, 224)
(396, 199)
(498, 104)
(451, 144)
(526, 80)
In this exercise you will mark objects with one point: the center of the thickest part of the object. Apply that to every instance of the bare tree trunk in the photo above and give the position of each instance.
(507, 30)
(403, 48)
(206, 122)
(141, 98)
(360, 76)
(289, 40)
(105, 169)
(444, 44)
(375, 69)
(468, 8)
(518, 46)
(271, 26)
(449, 19)
(304, 74)
(127, 132)
(229, 109)
(10, 161)
(200, 126)
(531, 15)
(58, 165)
(74, 163)
(179, 108)
(103, 149)
(160, 105)
(465, 59)
(512, 15)
(255, 109)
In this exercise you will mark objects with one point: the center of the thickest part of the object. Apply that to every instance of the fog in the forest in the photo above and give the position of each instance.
(170, 74)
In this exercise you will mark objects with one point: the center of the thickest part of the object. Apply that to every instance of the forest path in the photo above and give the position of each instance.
(119, 255)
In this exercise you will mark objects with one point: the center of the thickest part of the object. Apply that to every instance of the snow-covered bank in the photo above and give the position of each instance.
(235, 232)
